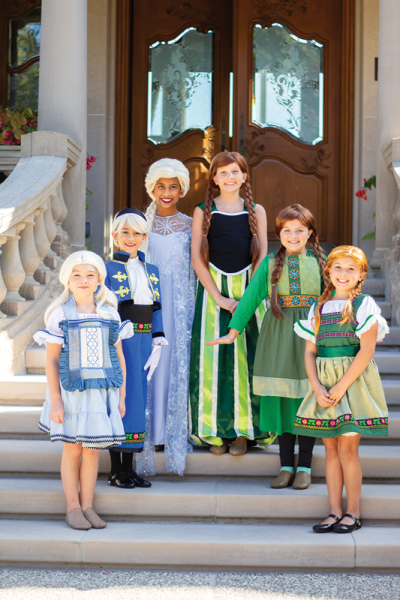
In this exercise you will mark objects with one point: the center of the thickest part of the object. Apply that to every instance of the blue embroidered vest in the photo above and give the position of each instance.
(89, 358)
(117, 280)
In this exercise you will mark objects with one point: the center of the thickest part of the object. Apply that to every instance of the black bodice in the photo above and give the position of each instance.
(229, 239)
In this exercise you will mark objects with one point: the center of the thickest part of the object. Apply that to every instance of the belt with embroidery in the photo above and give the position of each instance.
(141, 315)
(296, 301)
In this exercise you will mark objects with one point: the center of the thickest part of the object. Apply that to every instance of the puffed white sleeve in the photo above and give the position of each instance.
(125, 329)
(305, 328)
(368, 314)
(52, 334)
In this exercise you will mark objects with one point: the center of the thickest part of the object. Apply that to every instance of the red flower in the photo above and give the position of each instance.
(369, 422)
(318, 423)
(383, 421)
(347, 417)
(89, 161)
(140, 325)
(332, 423)
(135, 436)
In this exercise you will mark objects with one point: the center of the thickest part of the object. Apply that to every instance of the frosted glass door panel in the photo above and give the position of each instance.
(288, 90)
(180, 85)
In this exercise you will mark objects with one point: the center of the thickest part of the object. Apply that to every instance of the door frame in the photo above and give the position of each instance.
(123, 117)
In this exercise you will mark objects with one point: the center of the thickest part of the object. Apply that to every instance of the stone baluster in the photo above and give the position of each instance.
(30, 259)
(3, 288)
(59, 213)
(42, 246)
(12, 271)
(51, 259)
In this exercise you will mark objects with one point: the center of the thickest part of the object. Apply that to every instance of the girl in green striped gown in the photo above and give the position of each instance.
(229, 240)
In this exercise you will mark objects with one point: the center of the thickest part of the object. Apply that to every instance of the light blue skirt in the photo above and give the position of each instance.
(91, 418)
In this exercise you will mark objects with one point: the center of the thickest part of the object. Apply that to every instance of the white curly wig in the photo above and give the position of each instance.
(167, 168)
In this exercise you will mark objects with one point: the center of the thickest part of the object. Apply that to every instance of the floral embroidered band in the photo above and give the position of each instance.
(142, 327)
(295, 301)
(134, 438)
(328, 426)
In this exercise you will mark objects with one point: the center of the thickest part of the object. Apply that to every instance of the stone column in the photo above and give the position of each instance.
(388, 126)
(63, 97)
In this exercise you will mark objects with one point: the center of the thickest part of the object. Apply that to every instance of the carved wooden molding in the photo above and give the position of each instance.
(198, 11)
(255, 149)
(17, 8)
(318, 162)
(267, 9)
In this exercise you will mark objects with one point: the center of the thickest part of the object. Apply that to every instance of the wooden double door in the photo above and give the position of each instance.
(270, 79)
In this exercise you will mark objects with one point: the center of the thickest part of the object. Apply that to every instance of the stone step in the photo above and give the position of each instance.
(374, 287)
(23, 390)
(182, 500)
(23, 420)
(392, 338)
(30, 390)
(388, 362)
(197, 546)
(385, 308)
(35, 359)
(44, 457)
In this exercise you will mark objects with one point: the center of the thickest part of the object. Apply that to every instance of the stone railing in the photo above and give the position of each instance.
(32, 240)
(389, 259)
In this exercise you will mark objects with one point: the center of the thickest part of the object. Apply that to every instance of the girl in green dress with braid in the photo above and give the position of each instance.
(229, 240)
(293, 278)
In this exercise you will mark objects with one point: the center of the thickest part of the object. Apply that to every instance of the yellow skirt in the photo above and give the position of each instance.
(362, 409)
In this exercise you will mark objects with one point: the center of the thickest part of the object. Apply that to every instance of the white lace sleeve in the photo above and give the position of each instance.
(305, 328)
(52, 334)
(368, 314)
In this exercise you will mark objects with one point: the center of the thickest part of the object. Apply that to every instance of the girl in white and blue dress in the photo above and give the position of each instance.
(167, 181)
(85, 399)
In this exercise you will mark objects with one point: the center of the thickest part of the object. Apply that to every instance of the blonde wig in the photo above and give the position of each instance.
(361, 261)
(84, 257)
(133, 221)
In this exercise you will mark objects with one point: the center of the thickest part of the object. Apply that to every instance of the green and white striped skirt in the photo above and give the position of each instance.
(222, 404)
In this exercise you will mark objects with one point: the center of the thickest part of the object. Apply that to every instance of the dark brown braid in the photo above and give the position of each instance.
(275, 276)
(248, 201)
(207, 215)
(320, 257)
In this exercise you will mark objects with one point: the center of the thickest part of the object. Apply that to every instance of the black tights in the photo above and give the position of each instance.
(286, 450)
(121, 462)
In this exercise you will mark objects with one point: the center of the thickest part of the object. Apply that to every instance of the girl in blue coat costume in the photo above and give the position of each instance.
(137, 287)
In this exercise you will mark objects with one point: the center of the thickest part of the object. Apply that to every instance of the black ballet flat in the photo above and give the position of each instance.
(342, 528)
(138, 481)
(121, 480)
(326, 527)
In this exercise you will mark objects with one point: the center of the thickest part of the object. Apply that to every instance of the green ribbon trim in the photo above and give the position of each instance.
(337, 351)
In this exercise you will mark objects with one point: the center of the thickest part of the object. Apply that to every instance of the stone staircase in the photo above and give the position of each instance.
(221, 515)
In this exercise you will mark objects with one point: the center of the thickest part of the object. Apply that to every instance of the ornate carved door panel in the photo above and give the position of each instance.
(180, 89)
(293, 76)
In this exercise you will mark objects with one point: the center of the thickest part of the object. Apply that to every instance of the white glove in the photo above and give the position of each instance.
(153, 361)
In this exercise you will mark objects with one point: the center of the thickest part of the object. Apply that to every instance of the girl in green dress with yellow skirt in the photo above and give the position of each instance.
(293, 278)
(345, 398)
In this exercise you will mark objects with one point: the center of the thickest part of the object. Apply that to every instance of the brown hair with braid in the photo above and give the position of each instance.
(223, 159)
(290, 213)
(361, 261)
